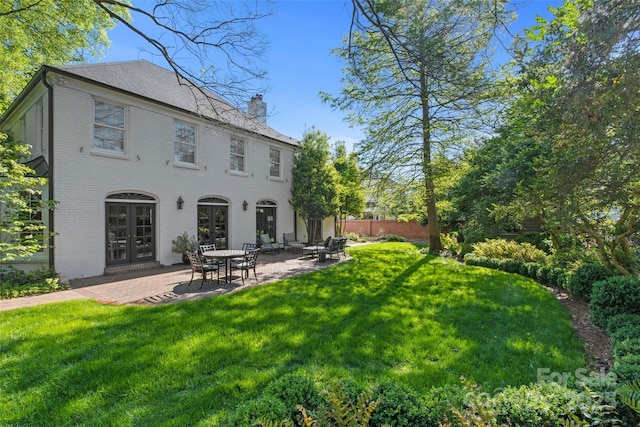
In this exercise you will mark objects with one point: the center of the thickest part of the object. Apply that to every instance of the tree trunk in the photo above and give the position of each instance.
(427, 167)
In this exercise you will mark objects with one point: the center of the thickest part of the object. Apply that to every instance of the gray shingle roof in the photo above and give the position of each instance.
(153, 82)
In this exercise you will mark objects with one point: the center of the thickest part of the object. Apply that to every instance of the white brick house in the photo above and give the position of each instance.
(122, 143)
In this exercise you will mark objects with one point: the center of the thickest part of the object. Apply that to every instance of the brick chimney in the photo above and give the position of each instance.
(257, 108)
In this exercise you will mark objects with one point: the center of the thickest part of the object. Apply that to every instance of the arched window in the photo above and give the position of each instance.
(266, 219)
(213, 222)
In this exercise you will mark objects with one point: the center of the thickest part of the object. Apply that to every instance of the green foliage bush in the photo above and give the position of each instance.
(394, 238)
(294, 399)
(627, 347)
(615, 295)
(450, 244)
(627, 367)
(511, 265)
(537, 239)
(294, 389)
(530, 270)
(541, 404)
(278, 401)
(399, 406)
(17, 283)
(473, 236)
(622, 327)
(265, 407)
(581, 282)
(510, 249)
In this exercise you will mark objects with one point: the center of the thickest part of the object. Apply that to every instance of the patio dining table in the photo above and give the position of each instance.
(227, 255)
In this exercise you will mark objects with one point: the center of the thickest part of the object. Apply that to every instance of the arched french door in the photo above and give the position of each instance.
(266, 219)
(213, 222)
(130, 228)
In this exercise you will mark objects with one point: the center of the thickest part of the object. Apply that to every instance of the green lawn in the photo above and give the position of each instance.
(391, 312)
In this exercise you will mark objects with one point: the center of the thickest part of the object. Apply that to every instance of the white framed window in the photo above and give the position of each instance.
(274, 162)
(238, 155)
(184, 143)
(108, 127)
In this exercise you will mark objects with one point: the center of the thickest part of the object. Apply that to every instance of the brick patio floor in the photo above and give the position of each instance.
(169, 283)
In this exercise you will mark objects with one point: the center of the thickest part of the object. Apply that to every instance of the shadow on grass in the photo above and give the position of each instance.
(388, 313)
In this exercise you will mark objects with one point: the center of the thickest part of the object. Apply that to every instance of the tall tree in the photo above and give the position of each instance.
(37, 32)
(580, 101)
(209, 44)
(416, 79)
(314, 187)
(350, 189)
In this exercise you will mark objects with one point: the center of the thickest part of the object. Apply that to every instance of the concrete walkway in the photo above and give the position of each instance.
(169, 283)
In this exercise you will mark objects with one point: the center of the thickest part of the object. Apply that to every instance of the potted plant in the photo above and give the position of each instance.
(183, 244)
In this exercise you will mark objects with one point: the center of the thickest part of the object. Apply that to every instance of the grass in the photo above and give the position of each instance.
(391, 312)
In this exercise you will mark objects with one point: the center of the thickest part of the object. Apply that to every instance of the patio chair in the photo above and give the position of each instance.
(203, 249)
(203, 268)
(266, 245)
(249, 246)
(343, 245)
(247, 263)
(289, 240)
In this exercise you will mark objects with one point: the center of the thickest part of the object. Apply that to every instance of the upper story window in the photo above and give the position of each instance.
(237, 155)
(108, 127)
(184, 143)
(274, 162)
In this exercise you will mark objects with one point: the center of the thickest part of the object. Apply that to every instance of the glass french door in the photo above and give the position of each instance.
(266, 219)
(130, 233)
(213, 225)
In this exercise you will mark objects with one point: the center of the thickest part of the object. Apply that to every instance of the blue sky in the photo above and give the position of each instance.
(301, 35)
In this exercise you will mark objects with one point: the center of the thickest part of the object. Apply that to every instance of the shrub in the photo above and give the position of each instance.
(622, 327)
(450, 244)
(480, 261)
(17, 283)
(294, 389)
(399, 406)
(627, 347)
(278, 401)
(542, 275)
(510, 265)
(615, 295)
(581, 282)
(267, 408)
(509, 249)
(394, 238)
(473, 236)
(627, 368)
(558, 277)
(536, 239)
(536, 405)
(530, 270)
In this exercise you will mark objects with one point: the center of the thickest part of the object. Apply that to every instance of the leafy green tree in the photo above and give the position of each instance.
(314, 187)
(416, 79)
(579, 102)
(21, 205)
(212, 45)
(350, 189)
(37, 32)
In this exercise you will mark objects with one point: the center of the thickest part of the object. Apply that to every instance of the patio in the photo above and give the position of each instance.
(167, 284)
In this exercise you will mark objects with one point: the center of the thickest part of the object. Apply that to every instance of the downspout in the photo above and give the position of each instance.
(50, 168)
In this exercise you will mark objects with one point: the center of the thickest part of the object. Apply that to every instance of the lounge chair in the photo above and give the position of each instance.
(289, 241)
(266, 245)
